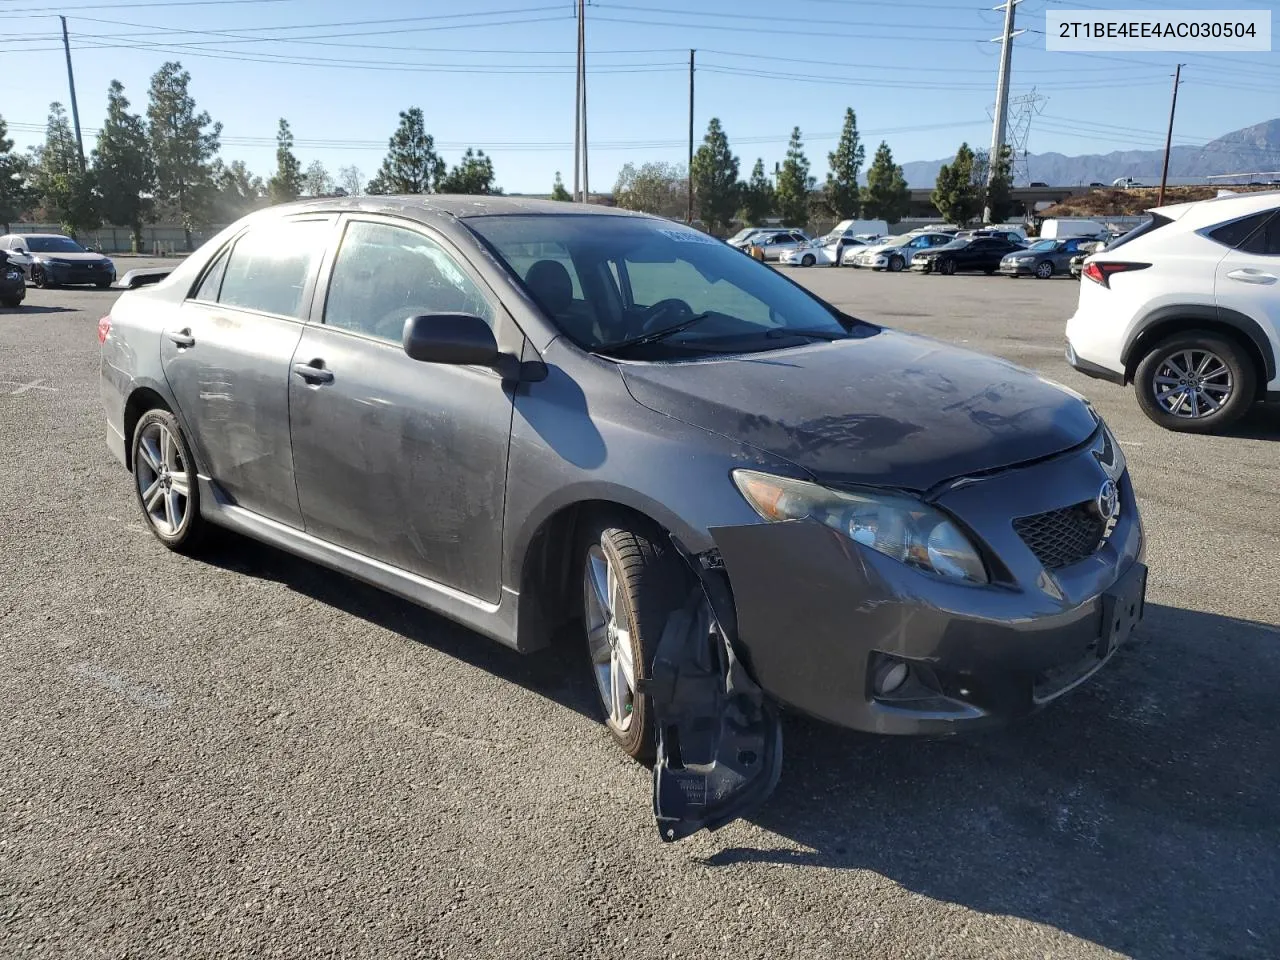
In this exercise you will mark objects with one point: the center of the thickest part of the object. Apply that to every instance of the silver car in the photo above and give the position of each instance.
(539, 418)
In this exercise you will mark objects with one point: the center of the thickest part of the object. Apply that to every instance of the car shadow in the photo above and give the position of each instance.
(1141, 812)
(1260, 423)
(558, 673)
(31, 308)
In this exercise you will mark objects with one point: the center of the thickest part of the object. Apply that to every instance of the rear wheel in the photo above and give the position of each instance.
(1044, 270)
(632, 580)
(164, 476)
(896, 263)
(1196, 382)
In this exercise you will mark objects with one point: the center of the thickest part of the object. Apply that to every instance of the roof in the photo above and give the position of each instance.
(460, 206)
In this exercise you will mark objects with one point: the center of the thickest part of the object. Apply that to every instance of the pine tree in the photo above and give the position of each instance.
(887, 197)
(411, 164)
(16, 197)
(1000, 187)
(955, 195)
(757, 197)
(123, 167)
(841, 194)
(558, 191)
(286, 184)
(472, 175)
(64, 190)
(184, 144)
(794, 184)
(715, 179)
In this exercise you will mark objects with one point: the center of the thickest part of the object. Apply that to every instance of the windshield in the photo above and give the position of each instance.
(955, 245)
(607, 281)
(742, 234)
(893, 241)
(53, 245)
(1043, 246)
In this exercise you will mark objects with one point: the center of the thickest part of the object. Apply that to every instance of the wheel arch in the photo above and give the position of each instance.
(545, 559)
(141, 399)
(1169, 321)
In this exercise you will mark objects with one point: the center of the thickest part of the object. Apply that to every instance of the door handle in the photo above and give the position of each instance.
(313, 372)
(183, 338)
(1247, 275)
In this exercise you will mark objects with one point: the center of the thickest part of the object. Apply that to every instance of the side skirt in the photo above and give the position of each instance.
(495, 620)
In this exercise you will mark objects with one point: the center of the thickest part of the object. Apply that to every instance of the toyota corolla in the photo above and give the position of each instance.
(527, 415)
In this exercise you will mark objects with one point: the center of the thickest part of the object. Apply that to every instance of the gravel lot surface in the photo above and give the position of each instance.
(249, 756)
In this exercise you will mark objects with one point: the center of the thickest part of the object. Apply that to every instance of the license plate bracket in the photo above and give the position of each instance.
(1123, 607)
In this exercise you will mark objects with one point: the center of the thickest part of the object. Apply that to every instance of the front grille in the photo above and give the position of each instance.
(1060, 538)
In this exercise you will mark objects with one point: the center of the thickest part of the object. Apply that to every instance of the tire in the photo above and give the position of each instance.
(896, 263)
(1235, 390)
(39, 279)
(1044, 270)
(649, 581)
(947, 268)
(187, 534)
(990, 271)
(102, 285)
(807, 260)
(11, 302)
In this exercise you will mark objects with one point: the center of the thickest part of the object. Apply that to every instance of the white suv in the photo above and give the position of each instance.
(1186, 307)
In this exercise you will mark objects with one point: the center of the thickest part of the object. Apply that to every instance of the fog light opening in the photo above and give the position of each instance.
(890, 676)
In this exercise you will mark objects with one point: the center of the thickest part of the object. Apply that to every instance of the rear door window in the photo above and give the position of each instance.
(270, 265)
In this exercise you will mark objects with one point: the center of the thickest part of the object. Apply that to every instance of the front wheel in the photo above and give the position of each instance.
(1196, 382)
(947, 268)
(896, 264)
(632, 580)
(164, 476)
(1044, 270)
(11, 302)
(808, 260)
(39, 278)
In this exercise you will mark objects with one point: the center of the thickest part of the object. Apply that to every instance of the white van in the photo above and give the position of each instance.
(1070, 229)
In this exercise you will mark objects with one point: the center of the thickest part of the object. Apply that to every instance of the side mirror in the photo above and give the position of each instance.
(455, 338)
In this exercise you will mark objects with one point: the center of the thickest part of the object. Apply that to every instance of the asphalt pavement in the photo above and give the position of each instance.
(245, 755)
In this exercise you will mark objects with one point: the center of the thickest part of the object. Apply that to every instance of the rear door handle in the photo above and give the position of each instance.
(183, 338)
(1247, 275)
(313, 372)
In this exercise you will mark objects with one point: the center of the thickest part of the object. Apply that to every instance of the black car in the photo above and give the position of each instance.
(979, 253)
(52, 260)
(13, 284)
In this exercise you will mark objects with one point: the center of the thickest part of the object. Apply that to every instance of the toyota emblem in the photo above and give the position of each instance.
(1108, 501)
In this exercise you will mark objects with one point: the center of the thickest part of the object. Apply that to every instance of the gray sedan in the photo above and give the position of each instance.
(529, 416)
(1045, 258)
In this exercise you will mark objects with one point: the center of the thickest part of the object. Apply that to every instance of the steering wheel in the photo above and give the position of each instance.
(672, 309)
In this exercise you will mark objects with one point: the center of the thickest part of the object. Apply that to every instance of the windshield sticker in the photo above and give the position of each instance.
(687, 236)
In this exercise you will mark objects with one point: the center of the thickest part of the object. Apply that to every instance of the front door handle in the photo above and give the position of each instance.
(313, 372)
(183, 338)
(1247, 275)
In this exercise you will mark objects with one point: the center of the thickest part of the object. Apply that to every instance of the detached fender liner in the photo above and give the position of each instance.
(719, 738)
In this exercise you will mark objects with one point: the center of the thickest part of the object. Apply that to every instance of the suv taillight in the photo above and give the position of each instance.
(1102, 272)
(104, 329)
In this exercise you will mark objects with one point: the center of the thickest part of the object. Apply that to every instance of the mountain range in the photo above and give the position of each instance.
(1251, 150)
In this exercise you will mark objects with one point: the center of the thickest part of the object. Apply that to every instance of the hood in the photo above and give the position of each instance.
(85, 257)
(891, 409)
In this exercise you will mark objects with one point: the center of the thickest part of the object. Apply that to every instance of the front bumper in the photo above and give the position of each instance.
(78, 274)
(1018, 269)
(922, 266)
(817, 613)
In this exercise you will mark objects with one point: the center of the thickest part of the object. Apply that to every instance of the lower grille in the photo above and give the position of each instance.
(1060, 538)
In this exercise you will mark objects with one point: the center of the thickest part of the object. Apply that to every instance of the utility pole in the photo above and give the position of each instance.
(71, 80)
(582, 29)
(577, 116)
(1001, 119)
(1168, 141)
(689, 170)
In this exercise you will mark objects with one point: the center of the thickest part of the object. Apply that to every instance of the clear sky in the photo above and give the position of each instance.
(499, 75)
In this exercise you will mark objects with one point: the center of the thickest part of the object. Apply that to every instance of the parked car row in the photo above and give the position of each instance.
(52, 260)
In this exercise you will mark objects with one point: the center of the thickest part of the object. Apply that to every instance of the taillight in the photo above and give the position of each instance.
(1102, 271)
(104, 329)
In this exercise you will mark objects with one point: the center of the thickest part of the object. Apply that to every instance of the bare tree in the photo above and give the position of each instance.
(351, 179)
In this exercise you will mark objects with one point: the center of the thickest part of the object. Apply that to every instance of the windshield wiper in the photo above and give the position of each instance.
(656, 335)
(779, 333)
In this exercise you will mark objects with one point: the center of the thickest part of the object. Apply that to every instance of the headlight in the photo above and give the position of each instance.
(14, 275)
(900, 527)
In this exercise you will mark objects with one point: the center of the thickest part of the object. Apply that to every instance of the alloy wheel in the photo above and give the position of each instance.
(1191, 384)
(609, 639)
(163, 478)
(1044, 270)
(948, 267)
(38, 277)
